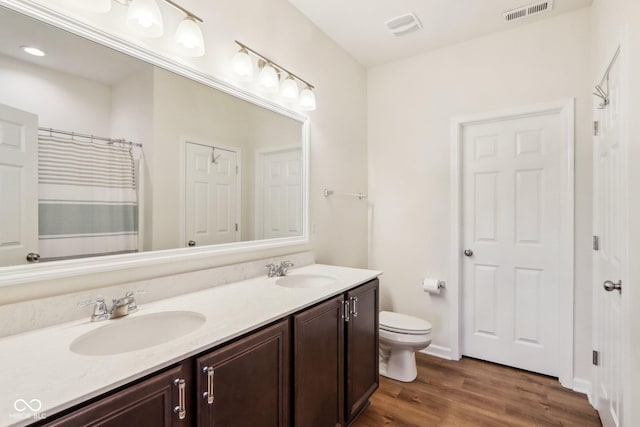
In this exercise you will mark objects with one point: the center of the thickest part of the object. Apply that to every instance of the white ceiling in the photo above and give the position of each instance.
(65, 52)
(358, 25)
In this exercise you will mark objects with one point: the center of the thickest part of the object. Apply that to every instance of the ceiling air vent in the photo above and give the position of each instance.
(529, 10)
(403, 24)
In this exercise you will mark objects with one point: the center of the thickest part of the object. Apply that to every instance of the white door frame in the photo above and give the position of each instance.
(625, 368)
(565, 108)
(182, 221)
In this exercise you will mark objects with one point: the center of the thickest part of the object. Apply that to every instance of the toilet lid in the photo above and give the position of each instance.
(401, 323)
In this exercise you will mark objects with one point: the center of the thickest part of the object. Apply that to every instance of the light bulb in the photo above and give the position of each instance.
(144, 18)
(189, 39)
(145, 21)
(268, 78)
(307, 100)
(242, 65)
(289, 89)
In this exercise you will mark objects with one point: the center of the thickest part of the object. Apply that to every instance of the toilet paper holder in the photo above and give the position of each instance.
(433, 286)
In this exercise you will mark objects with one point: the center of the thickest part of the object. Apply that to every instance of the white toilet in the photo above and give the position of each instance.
(400, 337)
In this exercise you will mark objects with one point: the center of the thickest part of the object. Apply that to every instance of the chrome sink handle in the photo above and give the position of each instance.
(100, 311)
(284, 267)
(133, 306)
(272, 270)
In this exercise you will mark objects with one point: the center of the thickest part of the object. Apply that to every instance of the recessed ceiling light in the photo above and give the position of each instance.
(33, 50)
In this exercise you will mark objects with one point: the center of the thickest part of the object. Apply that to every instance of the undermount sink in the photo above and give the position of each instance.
(305, 281)
(136, 333)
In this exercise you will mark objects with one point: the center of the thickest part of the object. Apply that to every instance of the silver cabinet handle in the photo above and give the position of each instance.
(610, 286)
(354, 308)
(344, 310)
(191, 243)
(181, 409)
(208, 371)
(468, 252)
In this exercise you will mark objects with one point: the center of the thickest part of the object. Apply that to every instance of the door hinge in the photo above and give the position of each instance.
(595, 358)
(236, 226)
(596, 243)
(596, 128)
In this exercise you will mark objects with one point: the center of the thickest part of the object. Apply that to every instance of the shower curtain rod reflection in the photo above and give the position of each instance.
(73, 135)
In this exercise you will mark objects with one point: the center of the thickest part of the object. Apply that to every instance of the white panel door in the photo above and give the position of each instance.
(211, 198)
(608, 260)
(280, 208)
(18, 185)
(511, 221)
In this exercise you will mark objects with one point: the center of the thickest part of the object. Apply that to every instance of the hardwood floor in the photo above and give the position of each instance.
(475, 393)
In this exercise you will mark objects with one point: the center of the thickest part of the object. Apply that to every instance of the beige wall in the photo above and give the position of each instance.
(411, 104)
(609, 18)
(132, 118)
(338, 127)
(184, 109)
(29, 87)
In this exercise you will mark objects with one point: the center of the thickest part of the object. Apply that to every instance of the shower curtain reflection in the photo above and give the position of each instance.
(87, 201)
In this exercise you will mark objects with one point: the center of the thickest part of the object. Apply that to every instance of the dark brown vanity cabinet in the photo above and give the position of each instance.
(246, 384)
(242, 384)
(159, 401)
(336, 358)
(330, 359)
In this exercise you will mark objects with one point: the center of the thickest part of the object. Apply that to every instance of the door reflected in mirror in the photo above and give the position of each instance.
(105, 154)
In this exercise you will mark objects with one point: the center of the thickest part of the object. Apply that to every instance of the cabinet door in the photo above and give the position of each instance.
(362, 348)
(149, 403)
(247, 382)
(319, 365)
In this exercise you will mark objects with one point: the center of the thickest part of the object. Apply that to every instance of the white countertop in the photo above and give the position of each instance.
(38, 368)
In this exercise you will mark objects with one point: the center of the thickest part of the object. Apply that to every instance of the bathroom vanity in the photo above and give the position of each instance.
(298, 350)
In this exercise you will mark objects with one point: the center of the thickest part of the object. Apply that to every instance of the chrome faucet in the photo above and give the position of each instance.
(278, 270)
(120, 308)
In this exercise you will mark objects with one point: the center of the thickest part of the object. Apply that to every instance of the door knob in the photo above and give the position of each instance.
(191, 243)
(609, 286)
(33, 257)
(468, 252)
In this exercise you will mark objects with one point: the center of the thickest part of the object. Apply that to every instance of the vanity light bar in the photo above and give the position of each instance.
(176, 5)
(273, 64)
(183, 10)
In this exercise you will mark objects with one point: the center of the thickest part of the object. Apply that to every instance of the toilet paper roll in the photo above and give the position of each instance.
(432, 286)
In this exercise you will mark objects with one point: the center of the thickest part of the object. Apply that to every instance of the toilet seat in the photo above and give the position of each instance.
(403, 324)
